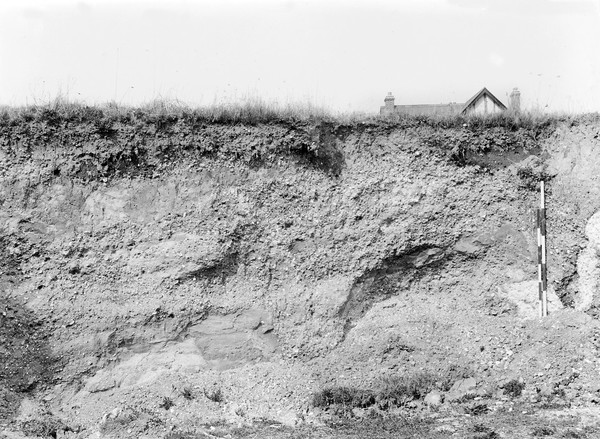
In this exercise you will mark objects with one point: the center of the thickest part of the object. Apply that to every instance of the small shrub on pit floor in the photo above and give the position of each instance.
(186, 392)
(542, 431)
(346, 396)
(466, 398)
(183, 435)
(392, 391)
(575, 434)
(483, 432)
(554, 404)
(166, 403)
(399, 390)
(214, 395)
(514, 388)
(476, 409)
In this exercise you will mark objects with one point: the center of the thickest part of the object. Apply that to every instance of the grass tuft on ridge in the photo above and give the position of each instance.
(253, 111)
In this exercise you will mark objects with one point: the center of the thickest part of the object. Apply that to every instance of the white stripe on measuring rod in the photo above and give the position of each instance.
(542, 194)
(543, 249)
(545, 302)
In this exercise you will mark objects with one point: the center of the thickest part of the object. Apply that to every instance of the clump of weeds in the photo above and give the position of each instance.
(514, 388)
(477, 409)
(166, 403)
(187, 393)
(389, 391)
(214, 395)
(542, 431)
(483, 432)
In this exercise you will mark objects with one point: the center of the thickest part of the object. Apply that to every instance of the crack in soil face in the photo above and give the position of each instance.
(394, 273)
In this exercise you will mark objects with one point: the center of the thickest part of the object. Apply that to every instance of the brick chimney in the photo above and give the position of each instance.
(514, 104)
(389, 102)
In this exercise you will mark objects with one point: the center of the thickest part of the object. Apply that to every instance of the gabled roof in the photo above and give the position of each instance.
(479, 94)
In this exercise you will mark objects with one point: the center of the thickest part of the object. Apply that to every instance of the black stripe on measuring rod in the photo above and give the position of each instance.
(540, 291)
(539, 254)
(544, 278)
(542, 221)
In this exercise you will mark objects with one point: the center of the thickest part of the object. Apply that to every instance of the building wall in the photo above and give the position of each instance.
(386, 110)
(423, 109)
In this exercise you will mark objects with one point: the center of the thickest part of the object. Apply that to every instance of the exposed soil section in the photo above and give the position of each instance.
(26, 362)
(167, 261)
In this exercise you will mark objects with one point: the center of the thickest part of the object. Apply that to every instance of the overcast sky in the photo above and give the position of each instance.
(344, 55)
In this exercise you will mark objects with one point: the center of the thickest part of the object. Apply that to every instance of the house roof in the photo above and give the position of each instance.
(479, 94)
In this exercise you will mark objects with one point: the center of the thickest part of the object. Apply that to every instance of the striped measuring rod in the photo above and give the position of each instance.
(542, 273)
